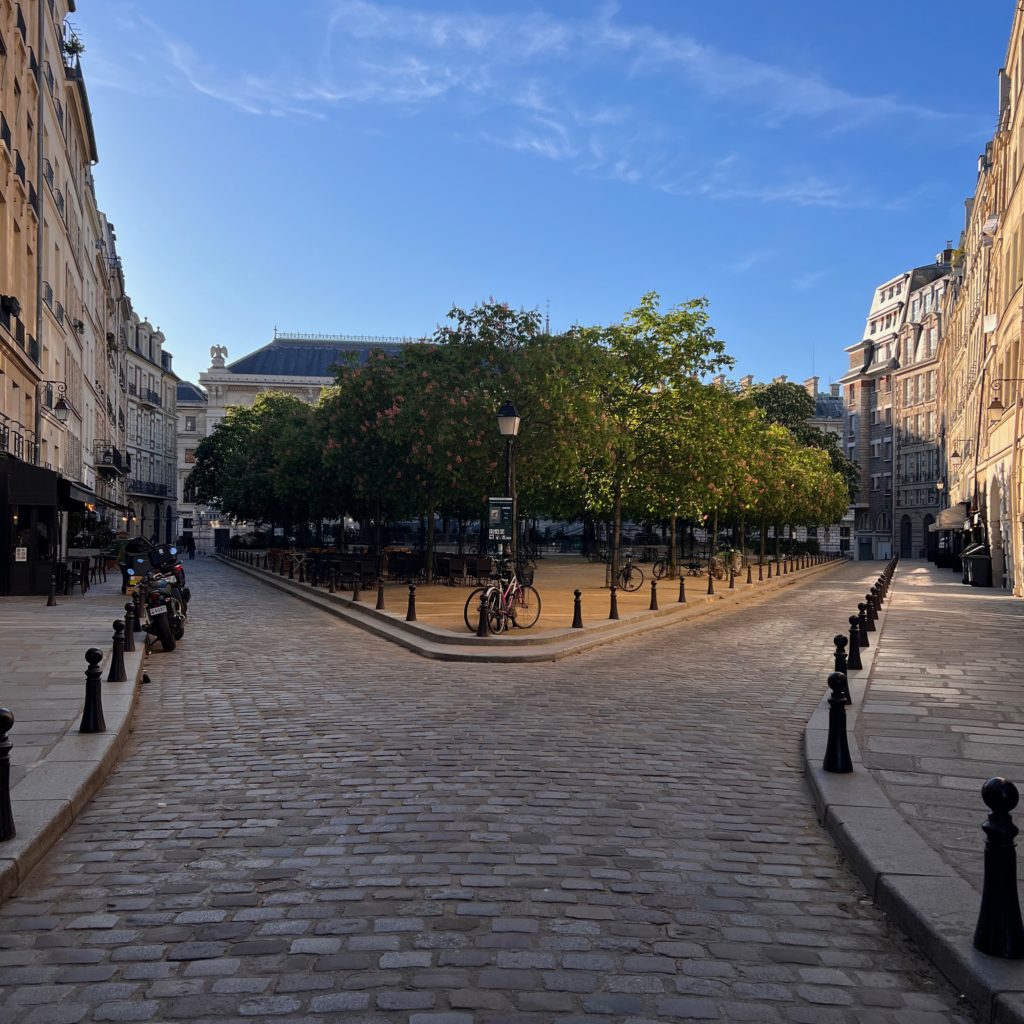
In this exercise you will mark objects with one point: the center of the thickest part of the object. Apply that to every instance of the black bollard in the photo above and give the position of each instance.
(291, 568)
(7, 830)
(840, 663)
(785, 567)
(51, 594)
(750, 571)
(853, 662)
(862, 621)
(302, 573)
(613, 610)
(711, 581)
(410, 614)
(129, 629)
(330, 583)
(577, 611)
(654, 596)
(769, 570)
(92, 715)
(483, 627)
(837, 749)
(355, 583)
(999, 931)
(380, 594)
(137, 609)
(682, 590)
(869, 614)
(760, 572)
(732, 578)
(116, 673)
(280, 566)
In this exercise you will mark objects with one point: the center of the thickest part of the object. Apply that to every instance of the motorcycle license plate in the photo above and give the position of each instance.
(159, 609)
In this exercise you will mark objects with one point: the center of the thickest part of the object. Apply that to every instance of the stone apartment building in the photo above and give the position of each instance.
(63, 357)
(891, 415)
(195, 520)
(981, 373)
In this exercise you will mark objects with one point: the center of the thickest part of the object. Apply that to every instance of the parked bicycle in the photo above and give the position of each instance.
(509, 602)
(629, 577)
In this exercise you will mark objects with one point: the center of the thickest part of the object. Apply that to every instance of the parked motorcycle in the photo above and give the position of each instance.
(164, 602)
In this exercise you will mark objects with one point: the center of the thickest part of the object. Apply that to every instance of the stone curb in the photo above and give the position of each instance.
(443, 645)
(903, 874)
(50, 796)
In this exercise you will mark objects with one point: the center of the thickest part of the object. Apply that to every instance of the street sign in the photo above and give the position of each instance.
(499, 519)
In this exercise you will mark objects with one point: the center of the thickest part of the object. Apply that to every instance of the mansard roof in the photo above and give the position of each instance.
(311, 355)
(189, 392)
(828, 408)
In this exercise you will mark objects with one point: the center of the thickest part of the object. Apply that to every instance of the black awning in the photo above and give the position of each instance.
(28, 485)
(74, 496)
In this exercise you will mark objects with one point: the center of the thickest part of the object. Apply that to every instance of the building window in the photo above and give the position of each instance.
(190, 455)
(190, 424)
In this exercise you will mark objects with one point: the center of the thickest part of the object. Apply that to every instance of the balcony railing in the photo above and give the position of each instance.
(33, 350)
(48, 172)
(5, 132)
(48, 294)
(108, 459)
(150, 396)
(20, 21)
(19, 166)
(147, 487)
(58, 312)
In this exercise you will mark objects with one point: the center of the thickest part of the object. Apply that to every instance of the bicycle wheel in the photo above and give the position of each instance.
(472, 611)
(497, 618)
(631, 578)
(526, 608)
(660, 568)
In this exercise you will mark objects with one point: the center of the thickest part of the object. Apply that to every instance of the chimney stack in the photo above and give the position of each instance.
(833, 390)
(811, 386)
(719, 381)
(746, 383)
(781, 379)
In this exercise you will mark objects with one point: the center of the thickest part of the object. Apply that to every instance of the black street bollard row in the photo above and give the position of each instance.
(410, 613)
(654, 596)
(853, 662)
(577, 610)
(613, 608)
(840, 662)
(482, 626)
(51, 594)
(380, 595)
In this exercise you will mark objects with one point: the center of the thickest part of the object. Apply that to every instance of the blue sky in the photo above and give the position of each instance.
(358, 166)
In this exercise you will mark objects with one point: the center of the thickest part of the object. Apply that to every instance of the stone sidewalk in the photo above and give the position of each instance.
(938, 710)
(54, 769)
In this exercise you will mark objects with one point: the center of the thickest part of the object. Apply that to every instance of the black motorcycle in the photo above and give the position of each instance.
(164, 604)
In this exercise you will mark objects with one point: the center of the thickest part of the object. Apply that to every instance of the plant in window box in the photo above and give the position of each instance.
(73, 46)
(80, 326)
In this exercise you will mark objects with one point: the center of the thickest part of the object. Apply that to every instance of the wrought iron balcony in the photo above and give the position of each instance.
(20, 22)
(5, 132)
(149, 487)
(108, 459)
(19, 166)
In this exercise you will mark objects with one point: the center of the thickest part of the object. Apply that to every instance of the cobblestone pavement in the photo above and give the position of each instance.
(311, 824)
(945, 710)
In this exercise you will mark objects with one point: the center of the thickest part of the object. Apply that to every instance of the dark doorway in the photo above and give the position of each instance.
(906, 538)
(931, 540)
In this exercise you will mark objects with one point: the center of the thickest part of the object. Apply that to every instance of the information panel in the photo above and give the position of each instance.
(499, 519)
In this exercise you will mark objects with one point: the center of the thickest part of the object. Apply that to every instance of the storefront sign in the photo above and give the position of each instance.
(21, 554)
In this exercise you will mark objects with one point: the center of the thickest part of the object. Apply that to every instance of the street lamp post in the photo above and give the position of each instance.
(61, 409)
(508, 425)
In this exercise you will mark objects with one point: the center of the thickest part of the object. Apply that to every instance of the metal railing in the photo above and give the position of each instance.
(294, 336)
(19, 166)
(150, 396)
(20, 22)
(108, 457)
(147, 487)
(5, 132)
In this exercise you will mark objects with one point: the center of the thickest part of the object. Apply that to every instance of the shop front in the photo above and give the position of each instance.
(29, 537)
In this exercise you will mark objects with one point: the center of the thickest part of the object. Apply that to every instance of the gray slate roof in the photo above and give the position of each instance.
(189, 392)
(289, 357)
(828, 408)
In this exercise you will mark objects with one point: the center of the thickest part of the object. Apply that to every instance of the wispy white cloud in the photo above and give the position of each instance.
(806, 281)
(519, 77)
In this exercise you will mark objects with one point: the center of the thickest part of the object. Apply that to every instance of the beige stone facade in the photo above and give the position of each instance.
(980, 369)
(64, 311)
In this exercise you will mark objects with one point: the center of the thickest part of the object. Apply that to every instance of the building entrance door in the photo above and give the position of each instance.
(906, 538)
(864, 549)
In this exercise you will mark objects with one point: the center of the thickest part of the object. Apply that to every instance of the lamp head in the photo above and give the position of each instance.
(61, 409)
(508, 420)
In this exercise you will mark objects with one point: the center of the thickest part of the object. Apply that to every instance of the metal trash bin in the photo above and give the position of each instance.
(977, 565)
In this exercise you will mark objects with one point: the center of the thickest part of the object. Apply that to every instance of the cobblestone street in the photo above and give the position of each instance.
(313, 824)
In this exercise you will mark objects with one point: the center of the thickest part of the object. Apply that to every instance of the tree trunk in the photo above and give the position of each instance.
(616, 529)
(673, 551)
(428, 558)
